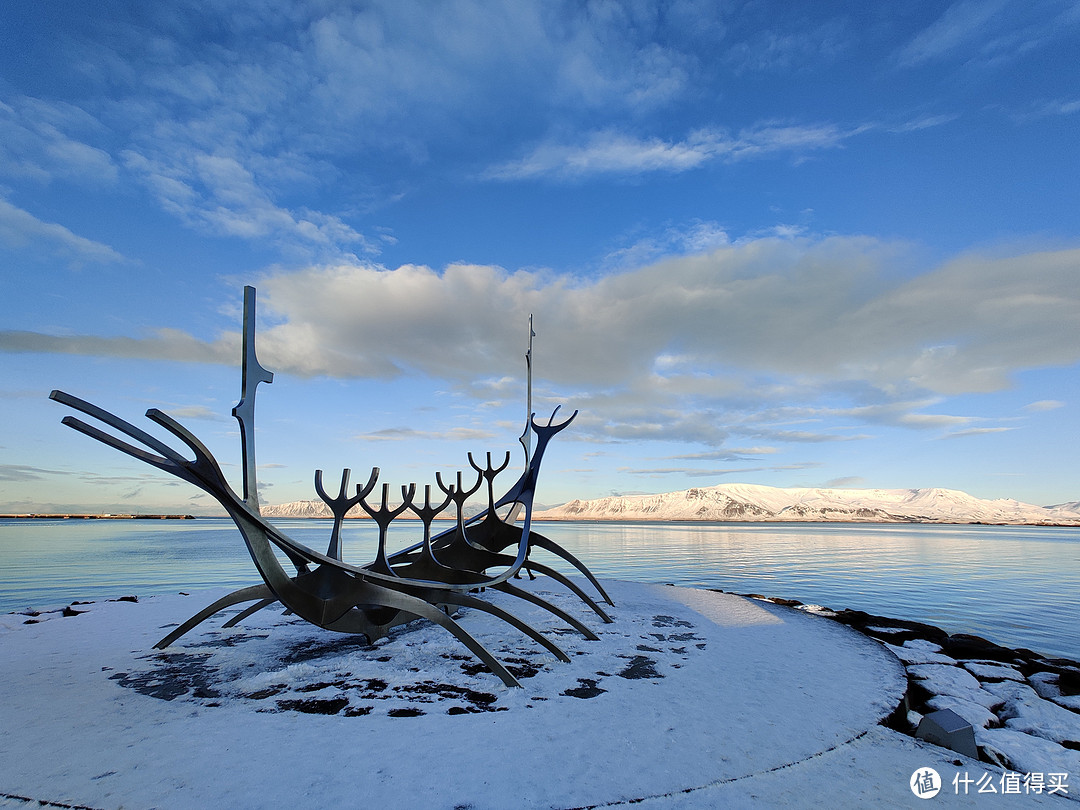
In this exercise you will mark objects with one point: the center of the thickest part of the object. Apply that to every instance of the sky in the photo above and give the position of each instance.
(828, 244)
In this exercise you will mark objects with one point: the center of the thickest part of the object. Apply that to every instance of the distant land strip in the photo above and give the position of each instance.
(42, 516)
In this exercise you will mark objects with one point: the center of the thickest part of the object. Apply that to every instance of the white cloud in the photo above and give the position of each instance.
(983, 431)
(697, 472)
(613, 152)
(22, 230)
(772, 340)
(846, 482)
(196, 412)
(695, 237)
(925, 122)
(1044, 405)
(166, 344)
(385, 59)
(693, 345)
(406, 434)
(1054, 107)
(217, 193)
(960, 23)
(44, 141)
(789, 41)
(982, 33)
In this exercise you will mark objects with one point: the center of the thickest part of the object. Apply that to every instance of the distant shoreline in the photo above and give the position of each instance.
(43, 516)
(805, 522)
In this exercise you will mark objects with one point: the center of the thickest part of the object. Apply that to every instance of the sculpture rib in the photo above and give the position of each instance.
(234, 598)
(395, 588)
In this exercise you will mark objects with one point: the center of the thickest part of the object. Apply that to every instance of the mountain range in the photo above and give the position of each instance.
(318, 509)
(751, 502)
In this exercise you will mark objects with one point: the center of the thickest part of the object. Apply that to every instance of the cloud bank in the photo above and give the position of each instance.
(841, 309)
(768, 337)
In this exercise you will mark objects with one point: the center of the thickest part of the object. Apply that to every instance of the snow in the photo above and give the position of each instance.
(922, 644)
(749, 502)
(910, 654)
(942, 679)
(1029, 754)
(1046, 684)
(991, 670)
(1032, 714)
(690, 699)
(976, 714)
(1010, 690)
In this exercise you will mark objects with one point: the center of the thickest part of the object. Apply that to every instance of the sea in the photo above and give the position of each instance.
(1015, 585)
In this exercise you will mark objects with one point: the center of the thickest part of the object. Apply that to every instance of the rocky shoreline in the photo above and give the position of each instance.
(1023, 706)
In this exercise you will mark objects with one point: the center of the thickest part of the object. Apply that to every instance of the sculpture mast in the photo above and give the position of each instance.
(252, 373)
(526, 437)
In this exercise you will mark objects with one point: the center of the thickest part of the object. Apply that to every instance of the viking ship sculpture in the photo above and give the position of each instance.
(428, 580)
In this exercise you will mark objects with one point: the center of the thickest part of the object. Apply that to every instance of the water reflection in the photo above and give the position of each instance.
(1014, 585)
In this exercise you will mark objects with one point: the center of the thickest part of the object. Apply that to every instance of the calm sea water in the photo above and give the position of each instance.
(1017, 586)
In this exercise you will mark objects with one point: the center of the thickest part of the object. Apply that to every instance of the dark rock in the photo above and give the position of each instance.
(670, 621)
(314, 706)
(684, 637)
(917, 695)
(263, 694)
(587, 689)
(408, 711)
(897, 631)
(1068, 672)
(785, 602)
(963, 645)
(1069, 682)
(640, 667)
(331, 646)
(319, 686)
(520, 667)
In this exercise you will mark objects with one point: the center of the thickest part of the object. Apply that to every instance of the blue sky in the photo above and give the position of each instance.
(794, 244)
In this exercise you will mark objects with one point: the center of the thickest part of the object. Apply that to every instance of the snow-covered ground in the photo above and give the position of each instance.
(690, 699)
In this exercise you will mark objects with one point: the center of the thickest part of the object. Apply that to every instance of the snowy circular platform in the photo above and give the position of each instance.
(686, 690)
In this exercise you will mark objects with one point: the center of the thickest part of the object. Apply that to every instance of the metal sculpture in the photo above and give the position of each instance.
(423, 581)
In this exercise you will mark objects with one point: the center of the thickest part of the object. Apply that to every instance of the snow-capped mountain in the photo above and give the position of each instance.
(1071, 506)
(305, 509)
(750, 502)
(318, 509)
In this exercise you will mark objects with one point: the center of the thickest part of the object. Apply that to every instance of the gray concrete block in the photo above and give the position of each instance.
(949, 730)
